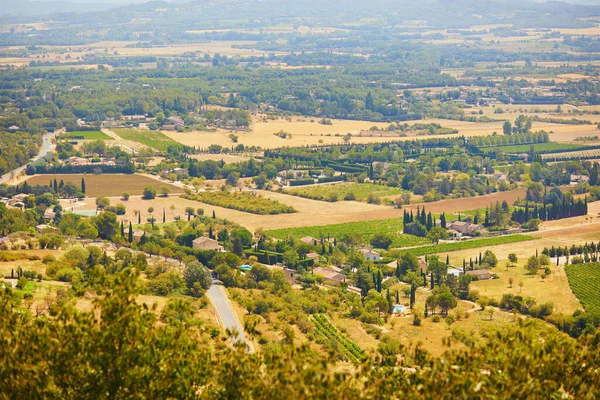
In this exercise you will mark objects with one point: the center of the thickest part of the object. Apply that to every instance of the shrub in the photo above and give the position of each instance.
(149, 193)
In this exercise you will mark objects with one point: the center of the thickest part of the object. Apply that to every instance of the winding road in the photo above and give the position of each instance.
(46, 147)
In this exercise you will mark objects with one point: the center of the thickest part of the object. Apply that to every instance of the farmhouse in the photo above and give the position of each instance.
(49, 214)
(372, 255)
(42, 227)
(329, 275)
(205, 243)
(17, 198)
(309, 240)
(465, 228)
(480, 274)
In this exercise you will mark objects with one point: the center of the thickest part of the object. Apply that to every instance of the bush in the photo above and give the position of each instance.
(149, 193)
(436, 318)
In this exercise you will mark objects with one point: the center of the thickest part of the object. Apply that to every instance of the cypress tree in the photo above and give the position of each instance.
(122, 230)
(130, 236)
(82, 185)
(447, 259)
(139, 218)
(214, 215)
(164, 216)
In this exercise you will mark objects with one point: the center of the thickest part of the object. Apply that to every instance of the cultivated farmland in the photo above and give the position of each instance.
(583, 279)
(241, 201)
(154, 139)
(366, 229)
(345, 191)
(104, 184)
(86, 135)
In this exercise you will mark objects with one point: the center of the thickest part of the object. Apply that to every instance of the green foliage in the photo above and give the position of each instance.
(241, 201)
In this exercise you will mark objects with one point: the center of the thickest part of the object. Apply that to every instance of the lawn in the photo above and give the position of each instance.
(87, 135)
(105, 184)
(344, 191)
(366, 229)
(154, 139)
(241, 201)
(583, 279)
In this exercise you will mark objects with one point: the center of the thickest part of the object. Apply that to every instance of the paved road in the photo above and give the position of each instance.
(226, 314)
(46, 147)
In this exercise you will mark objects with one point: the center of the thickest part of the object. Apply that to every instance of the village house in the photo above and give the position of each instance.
(49, 213)
(136, 236)
(329, 275)
(17, 198)
(205, 243)
(372, 255)
(42, 227)
(313, 256)
(575, 179)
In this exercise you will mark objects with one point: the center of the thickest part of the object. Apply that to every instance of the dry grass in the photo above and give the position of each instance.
(105, 184)
(469, 203)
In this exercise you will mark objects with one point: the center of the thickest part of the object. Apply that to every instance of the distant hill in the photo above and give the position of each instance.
(225, 13)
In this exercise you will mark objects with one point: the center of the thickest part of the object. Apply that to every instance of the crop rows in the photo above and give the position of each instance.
(366, 229)
(572, 155)
(346, 347)
(583, 279)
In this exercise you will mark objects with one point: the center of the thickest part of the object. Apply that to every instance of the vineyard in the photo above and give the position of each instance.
(466, 244)
(583, 279)
(366, 229)
(344, 346)
(573, 155)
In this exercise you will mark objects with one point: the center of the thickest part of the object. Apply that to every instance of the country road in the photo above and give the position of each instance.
(227, 316)
(46, 147)
(218, 297)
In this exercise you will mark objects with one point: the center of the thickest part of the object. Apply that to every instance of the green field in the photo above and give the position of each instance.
(241, 201)
(538, 147)
(154, 139)
(366, 229)
(87, 135)
(464, 245)
(583, 279)
(342, 191)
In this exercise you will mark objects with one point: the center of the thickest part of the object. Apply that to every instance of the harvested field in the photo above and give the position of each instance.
(304, 132)
(105, 184)
(469, 203)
